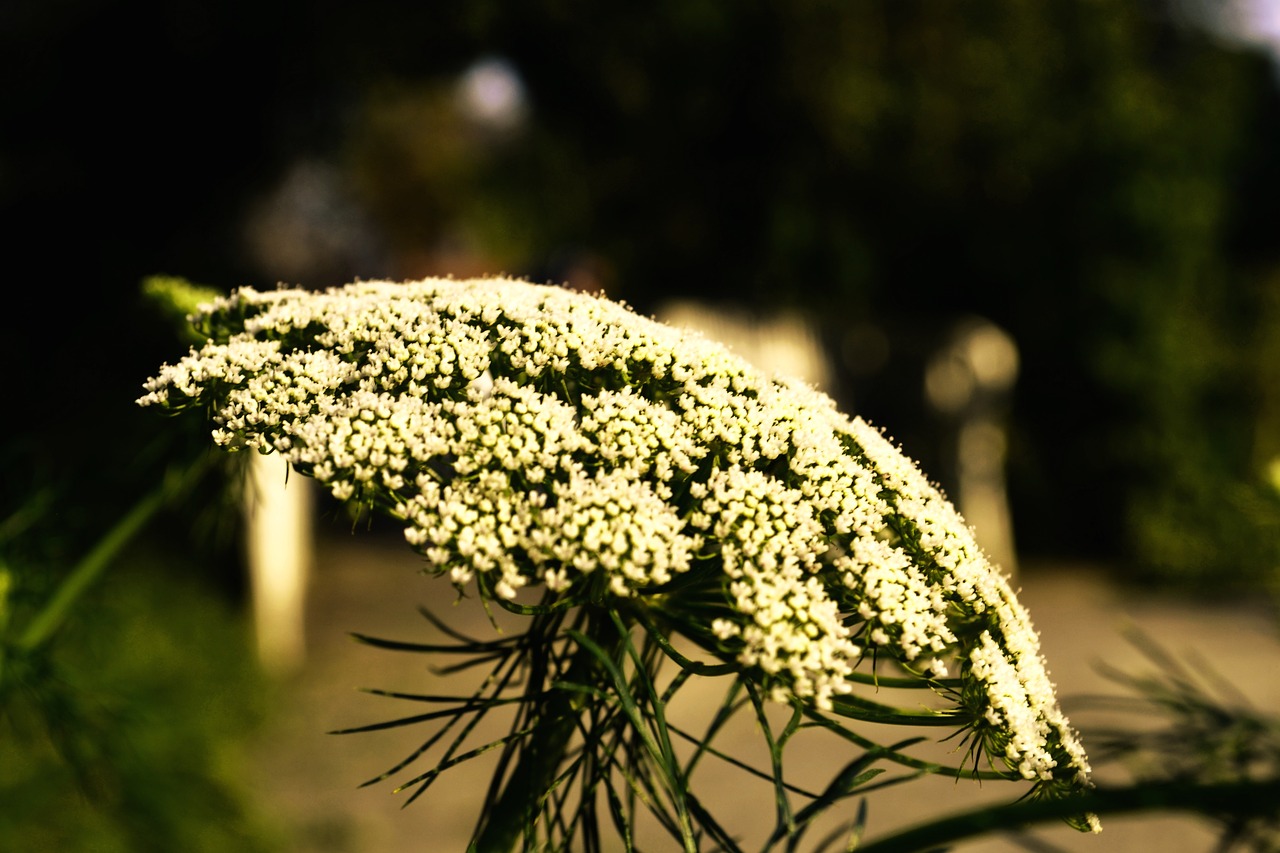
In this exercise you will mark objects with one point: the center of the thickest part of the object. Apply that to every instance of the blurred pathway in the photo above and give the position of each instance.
(367, 584)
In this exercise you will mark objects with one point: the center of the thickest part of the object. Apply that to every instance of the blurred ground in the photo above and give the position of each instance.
(366, 584)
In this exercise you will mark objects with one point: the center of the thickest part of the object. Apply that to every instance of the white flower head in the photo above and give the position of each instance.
(531, 437)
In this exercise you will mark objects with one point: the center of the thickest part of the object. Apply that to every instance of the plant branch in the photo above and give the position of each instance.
(44, 624)
(1253, 799)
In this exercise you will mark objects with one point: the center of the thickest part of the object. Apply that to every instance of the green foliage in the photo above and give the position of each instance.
(600, 747)
(126, 689)
(177, 299)
(127, 734)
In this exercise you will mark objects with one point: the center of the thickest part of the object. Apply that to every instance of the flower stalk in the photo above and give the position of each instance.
(556, 715)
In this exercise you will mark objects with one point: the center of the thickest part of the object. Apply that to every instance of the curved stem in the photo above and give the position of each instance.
(43, 625)
(1241, 799)
(896, 757)
(857, 708)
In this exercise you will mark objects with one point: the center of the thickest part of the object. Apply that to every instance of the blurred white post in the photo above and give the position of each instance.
(279, 551)
(971, 380)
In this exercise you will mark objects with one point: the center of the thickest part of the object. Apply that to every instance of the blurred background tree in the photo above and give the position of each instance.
(1097, 178)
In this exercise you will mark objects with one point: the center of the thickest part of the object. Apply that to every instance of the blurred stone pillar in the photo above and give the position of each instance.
(278, 539)
(969, 382)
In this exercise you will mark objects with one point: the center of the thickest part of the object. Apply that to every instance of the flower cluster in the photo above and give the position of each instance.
(532, 436)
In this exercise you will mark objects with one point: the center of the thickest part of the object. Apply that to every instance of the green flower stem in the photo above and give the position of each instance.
(1239, 799)
(45, 624)
(892, 754)
(26, 515)
(519, 805)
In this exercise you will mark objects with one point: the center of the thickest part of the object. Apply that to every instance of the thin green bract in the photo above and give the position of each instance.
(561, 454)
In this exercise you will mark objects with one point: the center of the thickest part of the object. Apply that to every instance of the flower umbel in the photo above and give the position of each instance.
(537, 441)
